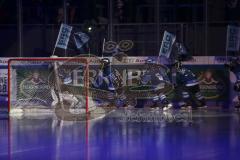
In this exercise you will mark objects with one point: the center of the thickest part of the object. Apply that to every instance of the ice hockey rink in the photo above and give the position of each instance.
(119, 80)
(123, 134)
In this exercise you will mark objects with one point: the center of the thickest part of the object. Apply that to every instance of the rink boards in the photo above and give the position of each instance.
(215, 80)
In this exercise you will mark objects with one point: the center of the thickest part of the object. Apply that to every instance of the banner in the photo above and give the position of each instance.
(80, 39)
(166, 46)
(3, 76)
(63, 36)
(3, 84)
(233, 38)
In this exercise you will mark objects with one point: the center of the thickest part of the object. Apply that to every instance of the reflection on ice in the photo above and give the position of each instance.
(175, 135)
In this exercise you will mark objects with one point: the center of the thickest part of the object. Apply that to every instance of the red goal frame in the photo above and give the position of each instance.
(75, 59)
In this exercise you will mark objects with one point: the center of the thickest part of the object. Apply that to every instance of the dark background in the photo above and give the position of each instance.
(29, 28)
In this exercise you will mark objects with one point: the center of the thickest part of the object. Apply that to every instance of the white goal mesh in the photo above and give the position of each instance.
(42, 84)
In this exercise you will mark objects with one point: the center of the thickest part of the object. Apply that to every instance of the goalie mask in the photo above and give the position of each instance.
(105, 62)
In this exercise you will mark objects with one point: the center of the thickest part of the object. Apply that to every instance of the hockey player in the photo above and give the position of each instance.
(186, 81)
(234, 67)
(153, 76)
(188, 84)
(105, 81)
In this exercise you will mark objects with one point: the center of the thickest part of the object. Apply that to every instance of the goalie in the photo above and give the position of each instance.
(64, 77)
(234, 67)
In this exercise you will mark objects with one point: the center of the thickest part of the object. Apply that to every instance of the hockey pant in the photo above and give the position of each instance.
(190, 94)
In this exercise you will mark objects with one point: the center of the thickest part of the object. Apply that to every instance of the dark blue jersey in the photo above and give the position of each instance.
(186, 77)
(105, 79)
(107, 70)
(154, 77)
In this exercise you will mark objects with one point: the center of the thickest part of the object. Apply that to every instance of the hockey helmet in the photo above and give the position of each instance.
(105, 61)
(182, 53)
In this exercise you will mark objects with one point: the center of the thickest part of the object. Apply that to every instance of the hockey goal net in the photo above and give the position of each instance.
(43, 84)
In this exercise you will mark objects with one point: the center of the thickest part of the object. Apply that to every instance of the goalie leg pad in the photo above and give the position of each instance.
(54, 97)
(70, 98)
